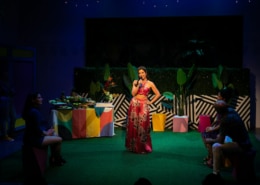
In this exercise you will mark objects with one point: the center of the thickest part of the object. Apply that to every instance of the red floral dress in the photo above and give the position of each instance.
(138, 128)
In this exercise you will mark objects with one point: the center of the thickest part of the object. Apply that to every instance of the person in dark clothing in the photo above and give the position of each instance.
(7, 109)
(37, 133)
(232, 126)
(213, 130)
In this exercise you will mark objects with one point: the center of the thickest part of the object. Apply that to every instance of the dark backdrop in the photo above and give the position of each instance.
(165, 41)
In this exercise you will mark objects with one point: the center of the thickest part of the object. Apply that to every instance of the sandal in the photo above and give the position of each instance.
(209, 163)
(206, 158)
(58, 161)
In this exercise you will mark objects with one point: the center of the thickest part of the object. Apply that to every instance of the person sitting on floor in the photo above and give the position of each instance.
(36, 134)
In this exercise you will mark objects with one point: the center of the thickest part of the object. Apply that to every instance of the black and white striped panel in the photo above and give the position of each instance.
(196, 105)
(169, 119)
(153, 108)
(121, 105)
(165, 110)
(204, 105)
(243, 109)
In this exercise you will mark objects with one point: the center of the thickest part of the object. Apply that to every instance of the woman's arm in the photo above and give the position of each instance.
(155, 91)
(135, 87)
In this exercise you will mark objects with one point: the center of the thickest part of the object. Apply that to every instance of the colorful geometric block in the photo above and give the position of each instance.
(92, 124)
(180, 124)
(158, 121)
(107, 122)
(204, 122)
(79, 116)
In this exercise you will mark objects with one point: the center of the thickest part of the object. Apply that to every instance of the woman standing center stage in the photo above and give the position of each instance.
(138, 139)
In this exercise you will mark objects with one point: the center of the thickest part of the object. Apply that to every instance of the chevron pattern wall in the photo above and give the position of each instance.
(196, 105)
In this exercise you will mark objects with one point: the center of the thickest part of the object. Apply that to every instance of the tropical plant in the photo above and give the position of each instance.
(96, 87)
(185, 82)
(220, 79)
(132, 75)
(106, 72)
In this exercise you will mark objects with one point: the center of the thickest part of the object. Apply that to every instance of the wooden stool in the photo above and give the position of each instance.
(34, 164)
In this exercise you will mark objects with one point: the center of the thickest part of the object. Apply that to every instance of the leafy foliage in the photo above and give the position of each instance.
(185, 82)
(220, 78)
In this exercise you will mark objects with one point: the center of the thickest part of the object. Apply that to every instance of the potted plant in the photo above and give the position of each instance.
(184, 82)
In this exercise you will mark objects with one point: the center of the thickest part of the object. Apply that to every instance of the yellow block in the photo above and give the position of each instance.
(158, 121)
(19, 123)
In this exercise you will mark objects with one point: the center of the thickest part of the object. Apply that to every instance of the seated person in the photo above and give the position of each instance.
(231, 125)
(37, 134)
(212, 131)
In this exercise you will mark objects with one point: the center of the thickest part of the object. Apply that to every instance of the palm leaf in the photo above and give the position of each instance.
(106, 72)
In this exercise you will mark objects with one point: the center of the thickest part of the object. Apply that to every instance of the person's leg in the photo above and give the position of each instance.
(55, 146)
(12, 120)
(204, 136)
(220, 149)
(209, 160)
(4, 118)
(48, 140)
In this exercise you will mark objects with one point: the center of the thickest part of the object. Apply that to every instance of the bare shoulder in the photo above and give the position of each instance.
(150, 83)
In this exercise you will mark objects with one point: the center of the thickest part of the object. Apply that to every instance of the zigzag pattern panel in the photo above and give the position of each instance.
(153, 108)
(121, 105)
(203, 104)
(196, 105)
(169, 119)
(243, 109)
(168, 110)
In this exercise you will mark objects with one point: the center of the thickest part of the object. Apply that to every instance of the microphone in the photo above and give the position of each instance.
(138, 82)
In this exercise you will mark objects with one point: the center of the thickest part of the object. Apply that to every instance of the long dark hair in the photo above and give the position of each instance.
(29, 103)
(144, 69)
(227, 94)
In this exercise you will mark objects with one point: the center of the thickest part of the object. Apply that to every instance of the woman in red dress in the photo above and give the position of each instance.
(138, 139)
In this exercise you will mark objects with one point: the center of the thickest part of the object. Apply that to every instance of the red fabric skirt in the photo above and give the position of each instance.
(138, 127)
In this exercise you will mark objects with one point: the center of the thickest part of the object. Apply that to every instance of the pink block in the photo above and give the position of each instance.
(204, 122)
(180, 124)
